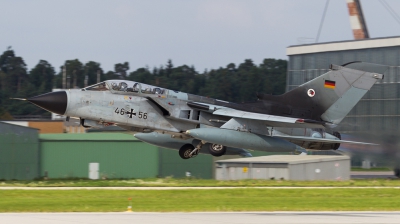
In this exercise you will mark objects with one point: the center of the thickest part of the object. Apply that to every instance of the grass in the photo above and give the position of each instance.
(192, 182)
(200, 200)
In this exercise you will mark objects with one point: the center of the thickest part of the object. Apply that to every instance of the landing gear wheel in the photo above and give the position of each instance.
(185, 150)
(217, 150)
(397, 172)
(337, 135)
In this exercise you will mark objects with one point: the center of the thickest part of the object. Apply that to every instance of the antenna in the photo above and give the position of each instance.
(322, 20)
(98, 76)
(86, 80)
(64, 78)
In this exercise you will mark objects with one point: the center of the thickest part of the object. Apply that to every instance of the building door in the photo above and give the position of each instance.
(94, 171)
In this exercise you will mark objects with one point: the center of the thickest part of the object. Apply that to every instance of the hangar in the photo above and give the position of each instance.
(26, 155)
(285, 167)
(115, 156)
(19, 152)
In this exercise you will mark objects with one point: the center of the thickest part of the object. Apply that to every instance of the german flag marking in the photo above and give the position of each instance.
(330, 84)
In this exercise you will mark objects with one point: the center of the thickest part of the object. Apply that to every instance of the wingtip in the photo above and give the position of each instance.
(23, 99)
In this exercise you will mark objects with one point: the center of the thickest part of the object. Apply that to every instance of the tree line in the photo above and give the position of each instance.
(236, 83)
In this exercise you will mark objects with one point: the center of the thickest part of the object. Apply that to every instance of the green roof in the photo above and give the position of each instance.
(88, 137)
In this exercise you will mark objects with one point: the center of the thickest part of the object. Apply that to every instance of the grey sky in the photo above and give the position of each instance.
(204, 33)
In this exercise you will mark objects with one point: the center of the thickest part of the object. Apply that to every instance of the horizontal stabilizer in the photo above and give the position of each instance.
(323, 140)
(366, 67)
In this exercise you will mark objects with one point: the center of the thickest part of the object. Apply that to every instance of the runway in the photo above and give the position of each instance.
(206, 217)
(186, 188)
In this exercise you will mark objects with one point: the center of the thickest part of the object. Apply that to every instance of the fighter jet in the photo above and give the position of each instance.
(293, 122)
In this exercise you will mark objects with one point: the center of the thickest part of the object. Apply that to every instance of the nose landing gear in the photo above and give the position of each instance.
(185, 151)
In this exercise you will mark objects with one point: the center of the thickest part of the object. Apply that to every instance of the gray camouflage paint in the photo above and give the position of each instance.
(245, 125)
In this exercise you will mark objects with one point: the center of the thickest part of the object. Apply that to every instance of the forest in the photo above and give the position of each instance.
(236, 83)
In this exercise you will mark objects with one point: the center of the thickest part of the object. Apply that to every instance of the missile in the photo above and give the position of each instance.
(244, 140)
(175, 142)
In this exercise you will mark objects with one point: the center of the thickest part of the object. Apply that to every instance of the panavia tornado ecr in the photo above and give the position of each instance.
(292, 122)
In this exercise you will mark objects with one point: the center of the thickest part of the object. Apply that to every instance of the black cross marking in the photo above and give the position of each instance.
(131, 113)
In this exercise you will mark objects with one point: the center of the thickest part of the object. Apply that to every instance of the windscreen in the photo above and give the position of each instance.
(98, 87)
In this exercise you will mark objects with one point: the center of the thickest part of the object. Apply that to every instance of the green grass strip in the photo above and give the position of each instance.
(193, 182)
(200, 200)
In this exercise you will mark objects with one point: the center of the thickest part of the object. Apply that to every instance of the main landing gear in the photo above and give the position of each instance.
(188, 151)
(217, 150)
(397, 171)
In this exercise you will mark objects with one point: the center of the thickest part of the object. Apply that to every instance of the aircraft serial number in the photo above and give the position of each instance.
(130, 113)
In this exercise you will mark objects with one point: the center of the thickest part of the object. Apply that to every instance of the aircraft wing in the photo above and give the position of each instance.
(270, 120)
(266, 119)
(323, 140)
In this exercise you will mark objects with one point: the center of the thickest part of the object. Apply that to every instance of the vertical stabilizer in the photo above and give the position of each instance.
(331, 96)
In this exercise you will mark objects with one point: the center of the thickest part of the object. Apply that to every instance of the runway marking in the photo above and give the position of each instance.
(204, 217)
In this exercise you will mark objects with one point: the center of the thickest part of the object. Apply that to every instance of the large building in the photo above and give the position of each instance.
(19, 152)
(380, 107)
(26, 155)
(285, 167)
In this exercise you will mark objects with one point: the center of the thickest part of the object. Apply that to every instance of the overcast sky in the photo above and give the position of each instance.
(204, 33)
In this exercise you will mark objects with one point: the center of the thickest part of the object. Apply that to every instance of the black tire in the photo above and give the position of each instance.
(185, 150)
(397, 171)
(217, 150)
(339, 136)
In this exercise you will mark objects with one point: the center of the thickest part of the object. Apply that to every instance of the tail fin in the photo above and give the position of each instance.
(331, 96)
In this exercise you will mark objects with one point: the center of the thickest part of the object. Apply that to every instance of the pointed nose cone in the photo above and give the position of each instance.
(55, 102)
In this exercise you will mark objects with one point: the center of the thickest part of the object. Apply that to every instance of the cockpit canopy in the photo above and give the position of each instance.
(102, 86)
(123, 86)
